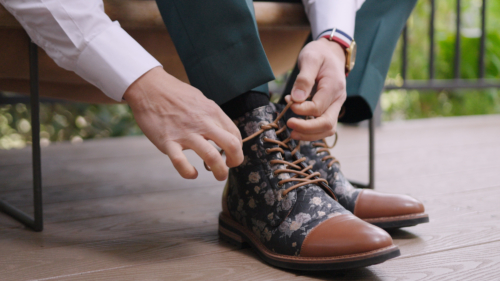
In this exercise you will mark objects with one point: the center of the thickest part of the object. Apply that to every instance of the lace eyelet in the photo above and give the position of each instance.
(280, 184)
(267, 151)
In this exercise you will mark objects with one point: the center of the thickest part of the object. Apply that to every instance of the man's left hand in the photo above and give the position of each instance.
(321, 63)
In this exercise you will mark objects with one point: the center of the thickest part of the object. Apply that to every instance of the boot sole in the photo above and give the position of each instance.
(238, 235)
(399, 221)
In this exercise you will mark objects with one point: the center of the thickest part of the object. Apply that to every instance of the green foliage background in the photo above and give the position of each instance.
(76, 121)
(402, 104)
(63, 122)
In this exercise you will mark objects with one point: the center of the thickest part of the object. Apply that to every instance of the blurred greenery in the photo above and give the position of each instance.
(404, 104)
(62, 122)
(75, 121)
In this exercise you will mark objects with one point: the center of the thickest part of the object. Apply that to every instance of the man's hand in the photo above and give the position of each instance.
(321, 62)
(176, 116)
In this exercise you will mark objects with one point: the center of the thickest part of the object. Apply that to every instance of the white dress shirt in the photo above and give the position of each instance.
(329, 14)
(80, 37)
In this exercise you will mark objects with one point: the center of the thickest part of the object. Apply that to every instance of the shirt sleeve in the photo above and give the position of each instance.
(80, 37)
(327, 15)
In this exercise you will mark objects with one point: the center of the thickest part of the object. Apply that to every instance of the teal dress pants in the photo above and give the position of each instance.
(219, 46)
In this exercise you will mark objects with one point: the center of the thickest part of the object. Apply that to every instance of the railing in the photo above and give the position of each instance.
(456, 82)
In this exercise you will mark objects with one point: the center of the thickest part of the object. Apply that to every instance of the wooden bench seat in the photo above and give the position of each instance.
(283, 28)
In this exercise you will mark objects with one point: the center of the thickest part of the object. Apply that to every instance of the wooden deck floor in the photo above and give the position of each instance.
(116, 210)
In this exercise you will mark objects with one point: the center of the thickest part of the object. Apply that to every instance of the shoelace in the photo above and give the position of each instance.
(326, 148)
(290, 167)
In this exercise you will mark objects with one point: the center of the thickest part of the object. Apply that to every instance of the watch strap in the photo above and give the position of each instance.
(334, 34)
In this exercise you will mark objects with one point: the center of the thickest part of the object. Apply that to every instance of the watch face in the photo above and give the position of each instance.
(352, 54)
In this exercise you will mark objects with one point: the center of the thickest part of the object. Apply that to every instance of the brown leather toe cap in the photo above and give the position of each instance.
(344, 235)
(372, 204)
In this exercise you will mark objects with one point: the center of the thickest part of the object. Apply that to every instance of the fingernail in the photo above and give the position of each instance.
(299, 95)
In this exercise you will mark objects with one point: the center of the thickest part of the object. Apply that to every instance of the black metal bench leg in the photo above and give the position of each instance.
(35, 223)
(371, 128)
(371, 157)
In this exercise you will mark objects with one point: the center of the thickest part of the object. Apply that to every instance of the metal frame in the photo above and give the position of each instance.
(456, 82)
(35, 223)
(371, 158)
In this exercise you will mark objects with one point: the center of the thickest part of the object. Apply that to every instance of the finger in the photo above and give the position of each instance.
(209, 154)
(311, 126)
(229, 143)
(310, 64)
(288, 98)
(179, 160)
(222, 120)
(318, 105)
(325, 124)
(308, 137)
(330, 90)
(229, 126)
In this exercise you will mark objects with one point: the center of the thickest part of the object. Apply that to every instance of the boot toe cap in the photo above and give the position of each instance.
(344, 235)
(371, 204)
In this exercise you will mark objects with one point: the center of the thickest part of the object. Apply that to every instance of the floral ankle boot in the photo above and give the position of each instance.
(287, 213)
(383, 210)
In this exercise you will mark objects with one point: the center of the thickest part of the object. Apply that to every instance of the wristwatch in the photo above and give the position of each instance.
(345, 41)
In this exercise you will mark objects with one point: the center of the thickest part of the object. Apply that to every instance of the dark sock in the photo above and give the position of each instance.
(244, 103)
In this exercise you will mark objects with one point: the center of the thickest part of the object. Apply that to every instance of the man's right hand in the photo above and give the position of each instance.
(176, 116)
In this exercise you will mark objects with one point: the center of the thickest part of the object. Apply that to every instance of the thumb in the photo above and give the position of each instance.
(299, 95)
(306, 79)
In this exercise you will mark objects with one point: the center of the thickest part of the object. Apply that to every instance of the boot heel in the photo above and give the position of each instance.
(232, 238)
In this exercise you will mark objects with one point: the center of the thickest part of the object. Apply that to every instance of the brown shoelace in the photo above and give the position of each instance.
(290, 167)
(326, 148)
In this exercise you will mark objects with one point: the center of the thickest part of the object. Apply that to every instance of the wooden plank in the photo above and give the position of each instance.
(72, 170)
(480, 262)
(178, 199)
(393, 136)
(120, 147)
(108, 254)
(131, 183)
(438, 159)
(445, 153)
(452, 228)
(144, 225)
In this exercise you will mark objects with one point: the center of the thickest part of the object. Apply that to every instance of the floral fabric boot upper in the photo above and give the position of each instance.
(288, 214)
(383, 210)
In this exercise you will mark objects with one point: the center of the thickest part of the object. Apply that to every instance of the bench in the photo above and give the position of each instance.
(283, 28)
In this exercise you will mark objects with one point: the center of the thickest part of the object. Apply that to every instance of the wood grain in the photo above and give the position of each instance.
(480, 262)
(116, 210)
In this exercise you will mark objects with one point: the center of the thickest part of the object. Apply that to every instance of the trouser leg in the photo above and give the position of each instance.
(219, 46)
(378, 26)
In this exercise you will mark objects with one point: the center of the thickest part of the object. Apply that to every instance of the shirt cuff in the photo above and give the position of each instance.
(328, 14)
(113, 60)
